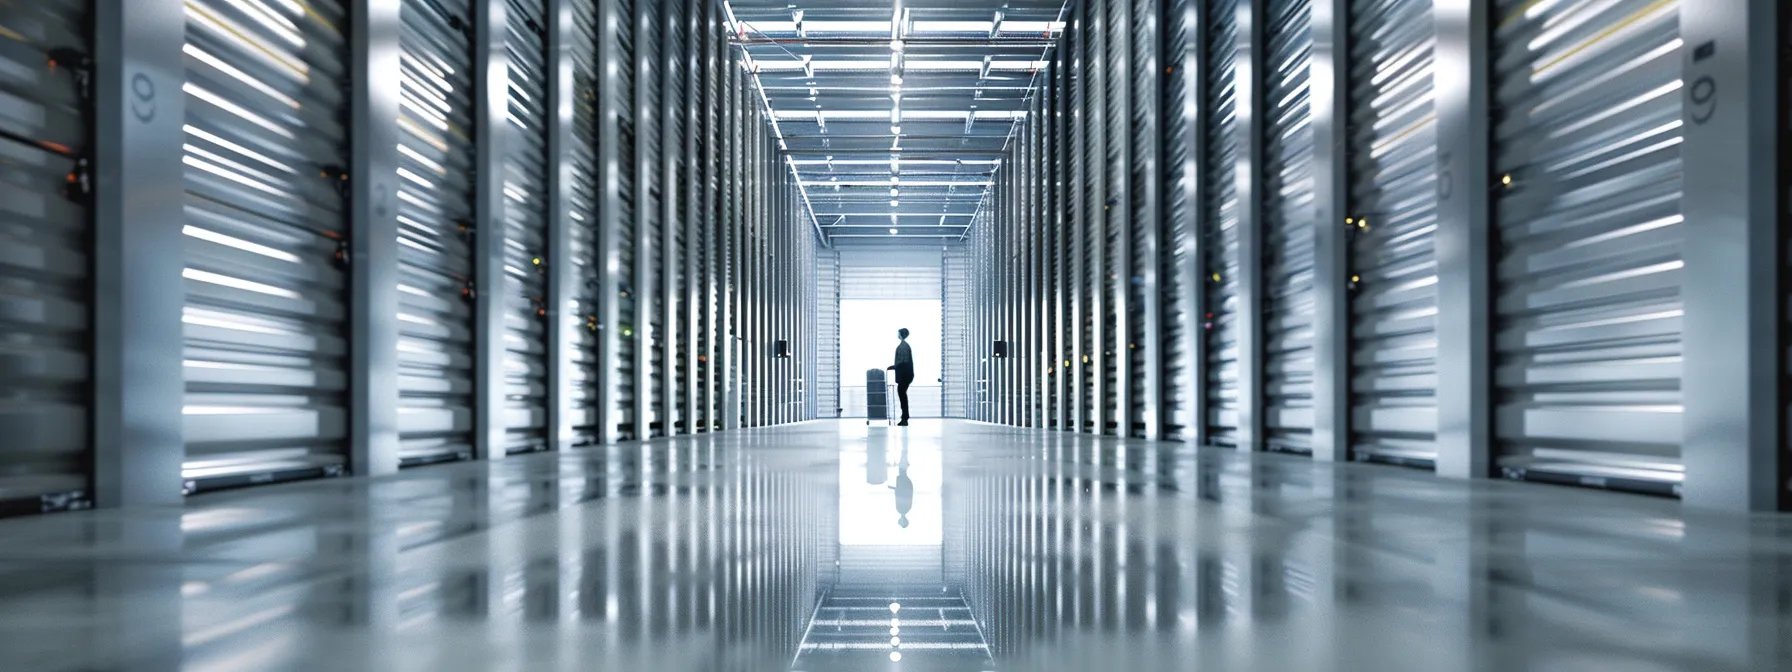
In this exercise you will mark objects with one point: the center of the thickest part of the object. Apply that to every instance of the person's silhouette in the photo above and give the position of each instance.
(905, 372)
(905, 489)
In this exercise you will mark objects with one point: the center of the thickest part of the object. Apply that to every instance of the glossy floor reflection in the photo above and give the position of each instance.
(1015, 550)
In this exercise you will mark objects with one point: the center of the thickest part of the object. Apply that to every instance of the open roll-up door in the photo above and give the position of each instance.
(46, 290)
(1288, 229)
(266, 348)
(435, 224)
(1393, 207)
(526, 230)
(1587, 310)
(1219, 225)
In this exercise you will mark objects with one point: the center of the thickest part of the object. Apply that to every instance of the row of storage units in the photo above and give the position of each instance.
(1379, 230)
(583, 232)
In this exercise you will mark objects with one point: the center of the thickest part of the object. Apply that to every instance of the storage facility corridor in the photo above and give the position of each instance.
(563, 334)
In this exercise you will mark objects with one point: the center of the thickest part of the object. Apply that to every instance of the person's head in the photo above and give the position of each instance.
(902, 334)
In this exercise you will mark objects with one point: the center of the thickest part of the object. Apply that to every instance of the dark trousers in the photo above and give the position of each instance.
(902, 395)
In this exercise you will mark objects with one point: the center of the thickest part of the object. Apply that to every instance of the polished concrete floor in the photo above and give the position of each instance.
(796, 548)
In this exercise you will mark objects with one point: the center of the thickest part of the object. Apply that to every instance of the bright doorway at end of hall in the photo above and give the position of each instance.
(868, 341)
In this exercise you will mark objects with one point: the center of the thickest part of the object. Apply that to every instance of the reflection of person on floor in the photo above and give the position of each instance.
(905, 372)
(905, 496)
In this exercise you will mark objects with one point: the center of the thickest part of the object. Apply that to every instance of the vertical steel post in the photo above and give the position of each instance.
(672, 104)
(1194, 63)
(1733, 373)
(373, 237)
(695, 185)
(1076, 162)
(563, 280)
(1464, 319)
(137, 260)
(491, 69)
(609, 242)
(1095, 176)
(1329, 82)
(1253, 55)
(643, 287)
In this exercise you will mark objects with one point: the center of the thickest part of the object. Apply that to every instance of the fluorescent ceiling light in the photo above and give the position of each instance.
(952, 26)
(844, 26)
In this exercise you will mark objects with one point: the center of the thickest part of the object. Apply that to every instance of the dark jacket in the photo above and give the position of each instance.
(905, 365)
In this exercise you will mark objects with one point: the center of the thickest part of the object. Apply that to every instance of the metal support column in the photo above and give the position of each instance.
(1733, 369)
(1252, 57)
(373, 238)
(609, 221)
(137, 260)
(1331, 320)
(1464, 319)
(1195, 109)
(695, 185)
(642, 289)
(491, 114)
(563, 275)
(1075, 181)
(672, 104)
(1095, 176)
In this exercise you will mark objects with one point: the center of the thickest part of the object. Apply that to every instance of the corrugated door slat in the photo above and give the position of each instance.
(525, 236)
(1288, 230)
(649, 30)
(266, 351)
(1220, 225)
(1393, 207)
(582, 160)
(1588, 306)
(1177, 229)
(46, 291)
(435, 264)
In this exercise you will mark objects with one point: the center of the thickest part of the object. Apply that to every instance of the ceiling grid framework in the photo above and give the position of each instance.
(894, 114)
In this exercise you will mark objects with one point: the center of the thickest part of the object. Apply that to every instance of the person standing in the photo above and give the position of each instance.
(905, 373)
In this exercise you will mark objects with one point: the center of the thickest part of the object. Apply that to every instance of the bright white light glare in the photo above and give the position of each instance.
(895, 192)
(896, 46)
(894, 202)
(895, 130)
(895, 641)
(895, 607)
(893, 629)
(892, 232)
(895, 656)
(895, 79)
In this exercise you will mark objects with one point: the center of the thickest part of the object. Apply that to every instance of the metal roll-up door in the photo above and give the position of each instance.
(1393, 209)
(650, 208)
(586, 373)
(624, 109)
(955, 294)
(1587, 310)
(46, 286)
(526, 230)
(1143, 135)
(1219, 226)
(435, 227)
(266, 317)
(1176, 229)
(1288, 230)
(827, 355)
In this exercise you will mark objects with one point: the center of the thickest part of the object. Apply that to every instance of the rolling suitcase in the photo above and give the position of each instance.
(877, 396)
